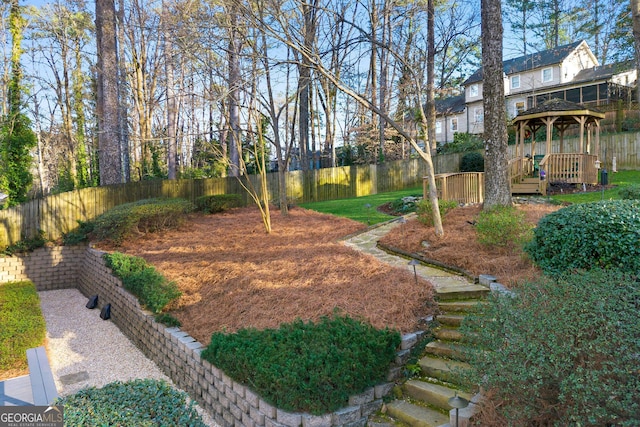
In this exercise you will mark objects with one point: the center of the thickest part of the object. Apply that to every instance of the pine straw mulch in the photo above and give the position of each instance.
(459, 246)
(233, 275)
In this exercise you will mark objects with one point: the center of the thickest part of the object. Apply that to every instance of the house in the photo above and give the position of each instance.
(570, 72)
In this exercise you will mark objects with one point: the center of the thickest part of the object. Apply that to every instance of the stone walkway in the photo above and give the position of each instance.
(442, 280)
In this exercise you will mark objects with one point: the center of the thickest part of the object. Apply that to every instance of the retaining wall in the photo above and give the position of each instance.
(175, 352)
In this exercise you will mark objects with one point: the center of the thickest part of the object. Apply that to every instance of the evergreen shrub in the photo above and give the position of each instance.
(424, 210)
(218, 203)
(151, 288)
(306, 366)
(472, 162)
(604, 234)
(630, 192)
(559, 352)
(133, 403)
(143, 216)
(503, 227)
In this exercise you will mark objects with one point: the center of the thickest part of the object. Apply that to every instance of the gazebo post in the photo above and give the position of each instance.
(597, 143)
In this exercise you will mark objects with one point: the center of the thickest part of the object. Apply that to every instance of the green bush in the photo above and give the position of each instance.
(168, 320)
(22, 324)
(134, 403)
(79, 234)
(560, 352)
(143, 216)
(472, 162)
(218, 203)
(307, 367)
(630, 192)
(603, 234)
(152, 289)
(503, 226)
(425, 211)
(462, 142)
(26, 245)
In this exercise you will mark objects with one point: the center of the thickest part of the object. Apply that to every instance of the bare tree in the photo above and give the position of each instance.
(497, 189)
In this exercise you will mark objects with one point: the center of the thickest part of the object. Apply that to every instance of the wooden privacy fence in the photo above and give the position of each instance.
(57, 214)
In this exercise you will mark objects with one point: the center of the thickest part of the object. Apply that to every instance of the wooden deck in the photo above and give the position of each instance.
(16, 392)
(38, 388)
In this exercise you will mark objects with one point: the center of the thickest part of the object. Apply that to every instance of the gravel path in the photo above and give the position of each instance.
(86, 351)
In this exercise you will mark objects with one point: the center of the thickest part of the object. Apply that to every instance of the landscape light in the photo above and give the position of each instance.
(413, 263)
(458, 403)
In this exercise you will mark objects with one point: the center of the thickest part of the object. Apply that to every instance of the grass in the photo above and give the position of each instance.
(362, 209)
(619, 179)
(23, 326)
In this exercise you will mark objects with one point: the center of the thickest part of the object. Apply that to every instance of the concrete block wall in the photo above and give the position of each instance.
(48, 268)
(178, 356)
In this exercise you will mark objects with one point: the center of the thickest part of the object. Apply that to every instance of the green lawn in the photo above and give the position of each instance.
(362, 209)
(619, 179)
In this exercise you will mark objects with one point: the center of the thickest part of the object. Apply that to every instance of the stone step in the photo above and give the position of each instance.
(416, 416)
(442, 369)
(462, 291)
(448, 334)
(433, 394)
(459, 306)
(445, 349)
(450, 319)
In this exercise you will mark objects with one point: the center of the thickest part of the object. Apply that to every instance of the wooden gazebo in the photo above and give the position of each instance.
(530, 172)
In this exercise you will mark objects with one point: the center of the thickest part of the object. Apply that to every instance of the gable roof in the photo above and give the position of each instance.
(451, 105)
(603, 72)
(531, 61)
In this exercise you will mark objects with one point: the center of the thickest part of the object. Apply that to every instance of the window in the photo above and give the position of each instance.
(438, 126)
(547, 75)
(518, 108)
(473, 90)
(454, 124)
(478, 114)
(515, 82)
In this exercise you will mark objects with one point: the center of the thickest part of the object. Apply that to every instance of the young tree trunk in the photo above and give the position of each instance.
(107, 94)
(497, 188)
(431, 59)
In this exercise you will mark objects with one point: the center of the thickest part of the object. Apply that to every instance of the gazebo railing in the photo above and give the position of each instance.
(572, 168)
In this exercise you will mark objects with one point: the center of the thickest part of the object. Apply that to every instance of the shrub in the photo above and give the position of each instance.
(560, 352)
(503, 226)
(472, 162)
(152, 289)
(405, 205)
(79, 234)
(168, 320)
(25, 245)
(425, 211)
(307, 367)
(630, 192)
(462, 142)
(143, 216)
(23, 325)
(134, 403)
(218, 203)
(601, 234)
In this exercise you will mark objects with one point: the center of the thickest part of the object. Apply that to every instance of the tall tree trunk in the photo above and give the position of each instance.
(123, 113)
(172, 108)
(309, 31)
(235, 81)
(635, 13)
(107, 95)
(497, 189)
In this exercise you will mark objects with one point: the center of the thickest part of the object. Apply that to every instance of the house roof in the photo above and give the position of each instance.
(531, 61)
(603, 72)
(451, 105)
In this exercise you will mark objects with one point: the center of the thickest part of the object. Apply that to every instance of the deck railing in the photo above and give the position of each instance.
(463, 187)
(571, 168)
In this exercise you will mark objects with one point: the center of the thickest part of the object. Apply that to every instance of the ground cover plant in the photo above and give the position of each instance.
(307, 366)
(153, 290)
(22, 326)
(559, 351)
(233, 275)
(134, 403)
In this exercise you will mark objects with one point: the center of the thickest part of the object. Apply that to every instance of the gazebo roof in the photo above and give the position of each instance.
(565, 111)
